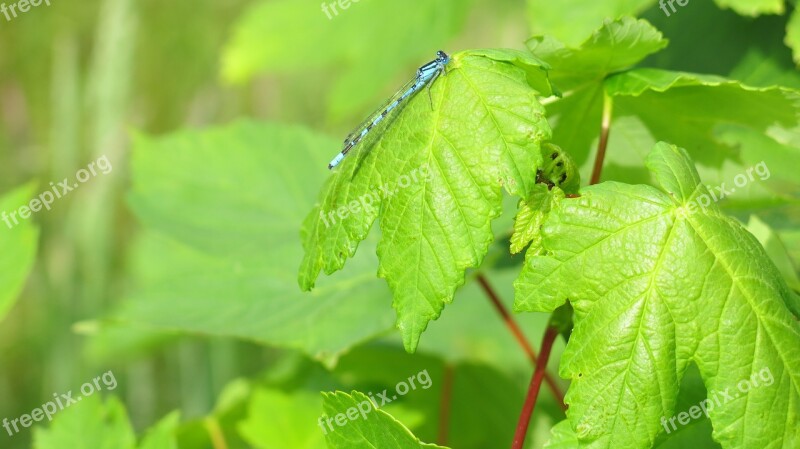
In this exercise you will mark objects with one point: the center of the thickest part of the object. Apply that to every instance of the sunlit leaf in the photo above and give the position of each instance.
(660, 279)
(435, 178)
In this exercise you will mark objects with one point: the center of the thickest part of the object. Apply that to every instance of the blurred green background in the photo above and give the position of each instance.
(116, 78)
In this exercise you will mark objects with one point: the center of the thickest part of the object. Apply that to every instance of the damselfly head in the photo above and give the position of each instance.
(442, 57)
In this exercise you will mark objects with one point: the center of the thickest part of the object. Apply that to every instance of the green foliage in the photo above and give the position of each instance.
(639, 325)
(697, 105)
(580, 72)
(569, 21)
(455, 163)
(558, 175)
(777, 253)
(683, 108)
(94, 424)
(224, 225)
(597, 74)
(277, 420)
(467, 337)
(354, 38)
(530, 218)
(695, 434)
(186, 284)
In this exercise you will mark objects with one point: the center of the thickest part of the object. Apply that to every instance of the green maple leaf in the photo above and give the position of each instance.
(368, 430)
(197, 261)
(660, 279)
(724, 123)
(446, 167)
(580, 72)
(691, 109)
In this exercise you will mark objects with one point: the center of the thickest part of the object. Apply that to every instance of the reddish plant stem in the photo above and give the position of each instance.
(551, 333)
(516, 331)
(533, 390)
(446, 404)
(605, 129)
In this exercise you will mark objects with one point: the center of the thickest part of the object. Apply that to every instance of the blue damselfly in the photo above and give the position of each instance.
(425, 76)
